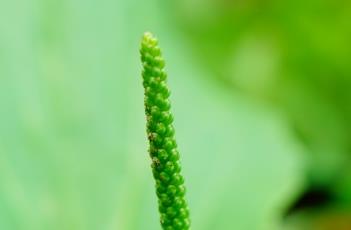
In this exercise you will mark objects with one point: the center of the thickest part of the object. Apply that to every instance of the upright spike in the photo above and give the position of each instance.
(170, 189)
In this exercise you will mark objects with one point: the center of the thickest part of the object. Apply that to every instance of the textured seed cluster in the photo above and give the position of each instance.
(165, 165)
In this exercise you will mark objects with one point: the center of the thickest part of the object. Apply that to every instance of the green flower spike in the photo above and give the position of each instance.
(170, 189)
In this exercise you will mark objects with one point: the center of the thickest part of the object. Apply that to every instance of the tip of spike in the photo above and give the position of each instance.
(149, 38)
(148, 34)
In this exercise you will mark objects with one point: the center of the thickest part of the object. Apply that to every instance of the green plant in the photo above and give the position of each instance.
(170, 189)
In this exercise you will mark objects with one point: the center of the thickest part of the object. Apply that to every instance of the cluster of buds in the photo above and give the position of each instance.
(163, 151)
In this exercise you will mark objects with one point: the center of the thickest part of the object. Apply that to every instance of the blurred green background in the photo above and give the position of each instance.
(261, 94)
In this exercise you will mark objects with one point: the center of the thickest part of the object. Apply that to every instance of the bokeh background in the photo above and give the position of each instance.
(261, 94)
